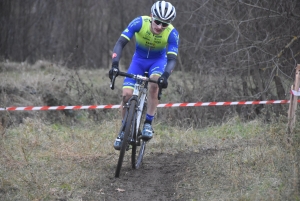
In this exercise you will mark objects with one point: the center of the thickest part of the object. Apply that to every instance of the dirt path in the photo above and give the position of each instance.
(157, 179)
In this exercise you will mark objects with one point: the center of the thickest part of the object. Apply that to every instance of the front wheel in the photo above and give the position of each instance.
(129, 126)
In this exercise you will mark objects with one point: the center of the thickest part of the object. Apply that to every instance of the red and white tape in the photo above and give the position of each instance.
(223, 103)
(197, 104)
(295, 93)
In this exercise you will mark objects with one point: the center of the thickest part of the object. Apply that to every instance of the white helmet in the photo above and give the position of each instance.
(164, 10)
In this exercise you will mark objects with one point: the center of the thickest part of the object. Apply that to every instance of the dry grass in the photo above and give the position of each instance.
(43, 161)
(249, 161)
(40, 160)
(237, 161)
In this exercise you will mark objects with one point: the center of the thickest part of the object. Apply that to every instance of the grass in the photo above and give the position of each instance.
(45, 160)
(244, 161)
(40, 160)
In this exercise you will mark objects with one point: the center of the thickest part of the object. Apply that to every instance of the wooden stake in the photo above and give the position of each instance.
(293, 102)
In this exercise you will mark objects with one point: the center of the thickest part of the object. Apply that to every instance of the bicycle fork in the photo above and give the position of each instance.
(139, 96)
(140, 109)
(137, 120)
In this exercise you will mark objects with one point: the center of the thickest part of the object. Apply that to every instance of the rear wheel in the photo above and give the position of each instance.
(134, 144)
(140, 156)
(128, 128)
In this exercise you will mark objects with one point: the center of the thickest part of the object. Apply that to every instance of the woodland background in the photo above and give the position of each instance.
(58, 52)
(233, 50)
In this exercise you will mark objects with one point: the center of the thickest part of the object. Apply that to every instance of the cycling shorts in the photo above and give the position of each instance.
(139, 66)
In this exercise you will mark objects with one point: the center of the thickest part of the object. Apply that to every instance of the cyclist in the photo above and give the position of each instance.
(156, 52)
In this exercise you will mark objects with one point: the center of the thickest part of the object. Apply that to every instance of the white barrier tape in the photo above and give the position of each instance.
(223, 103)
(78, 107)
(295, 93)
(197, 104)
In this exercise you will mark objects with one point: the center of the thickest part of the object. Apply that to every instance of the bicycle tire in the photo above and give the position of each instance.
(140, 156)
(136, 160)
(129, 120)
(134, 145)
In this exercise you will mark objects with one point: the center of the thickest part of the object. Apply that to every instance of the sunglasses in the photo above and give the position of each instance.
(158, 22)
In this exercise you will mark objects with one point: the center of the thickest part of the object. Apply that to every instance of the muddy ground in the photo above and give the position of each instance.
(159, 178)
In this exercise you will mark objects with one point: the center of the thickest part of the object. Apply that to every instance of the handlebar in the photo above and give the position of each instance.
(116, 73)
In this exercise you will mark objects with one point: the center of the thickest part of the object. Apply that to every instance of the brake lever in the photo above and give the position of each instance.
(112, 81)
(159, 90)
(159, 93)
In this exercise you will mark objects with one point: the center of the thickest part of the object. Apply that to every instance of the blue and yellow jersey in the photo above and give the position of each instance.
(149, 45)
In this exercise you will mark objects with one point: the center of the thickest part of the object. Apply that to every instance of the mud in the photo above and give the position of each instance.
(157, 179)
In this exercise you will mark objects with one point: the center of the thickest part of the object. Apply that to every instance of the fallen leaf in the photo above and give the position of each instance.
(120, 190)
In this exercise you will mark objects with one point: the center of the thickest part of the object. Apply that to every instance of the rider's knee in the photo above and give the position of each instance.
(153, 87)
(126, 97)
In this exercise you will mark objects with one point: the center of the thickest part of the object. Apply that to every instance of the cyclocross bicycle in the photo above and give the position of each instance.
(136, 108)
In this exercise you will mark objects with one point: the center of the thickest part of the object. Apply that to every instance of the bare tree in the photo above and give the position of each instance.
(250, 47)
(250, 38)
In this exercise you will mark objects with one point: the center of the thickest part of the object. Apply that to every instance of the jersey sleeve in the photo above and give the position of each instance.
(134, 26)
(173, 42)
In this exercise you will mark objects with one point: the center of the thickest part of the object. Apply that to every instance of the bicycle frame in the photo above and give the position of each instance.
(132, 119)
(140, 96)
(140, 92)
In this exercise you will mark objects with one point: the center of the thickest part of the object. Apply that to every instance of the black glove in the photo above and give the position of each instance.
(163, 80)
(111, 71)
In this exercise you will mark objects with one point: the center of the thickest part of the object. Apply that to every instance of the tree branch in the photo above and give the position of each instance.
(254, 6)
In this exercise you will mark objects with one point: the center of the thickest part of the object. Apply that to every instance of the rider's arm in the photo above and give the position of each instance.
(171, 63)
(173, 42)
(134, 26)
(117, 51)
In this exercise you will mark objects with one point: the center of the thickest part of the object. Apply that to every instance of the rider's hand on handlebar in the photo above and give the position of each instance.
(163, 80)
(113, 69)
